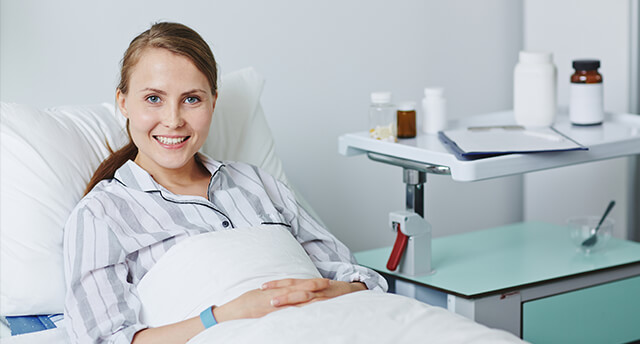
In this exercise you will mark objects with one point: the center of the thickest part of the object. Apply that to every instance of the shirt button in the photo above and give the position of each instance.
(225, 224)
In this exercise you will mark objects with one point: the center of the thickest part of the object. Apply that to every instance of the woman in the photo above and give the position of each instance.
(158, 190)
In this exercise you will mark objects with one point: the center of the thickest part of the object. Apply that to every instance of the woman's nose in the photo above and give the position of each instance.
(173, 118)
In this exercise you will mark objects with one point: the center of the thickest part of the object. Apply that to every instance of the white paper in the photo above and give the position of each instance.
(510, 139)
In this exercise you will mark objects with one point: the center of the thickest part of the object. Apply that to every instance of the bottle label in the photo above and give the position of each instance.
(586, 105)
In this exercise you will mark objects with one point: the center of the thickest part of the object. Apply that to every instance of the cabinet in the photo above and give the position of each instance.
(606, 313)
(510, 277)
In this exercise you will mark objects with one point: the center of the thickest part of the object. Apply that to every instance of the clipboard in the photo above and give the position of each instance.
(488, 141)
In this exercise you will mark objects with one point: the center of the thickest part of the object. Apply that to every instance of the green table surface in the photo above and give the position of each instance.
(494, 260)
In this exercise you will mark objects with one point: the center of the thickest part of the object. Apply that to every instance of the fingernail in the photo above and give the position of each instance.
(263, 287)
(275, 302)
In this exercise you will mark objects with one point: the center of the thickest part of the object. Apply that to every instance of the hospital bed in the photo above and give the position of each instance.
(48, 156)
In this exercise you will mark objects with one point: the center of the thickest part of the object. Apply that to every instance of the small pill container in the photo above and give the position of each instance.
(382, 117)
(406, 120)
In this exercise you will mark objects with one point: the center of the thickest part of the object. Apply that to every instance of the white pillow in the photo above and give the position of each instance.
(48, 156)
(239, 130)
(214, 268)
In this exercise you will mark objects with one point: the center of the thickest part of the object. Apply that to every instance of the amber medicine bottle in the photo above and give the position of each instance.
(406, 120)
(586, 103)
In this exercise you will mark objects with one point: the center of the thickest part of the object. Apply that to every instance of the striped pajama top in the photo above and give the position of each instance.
(123, 226)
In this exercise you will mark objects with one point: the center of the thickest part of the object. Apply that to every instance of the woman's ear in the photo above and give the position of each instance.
(120, 99)
(213, 105)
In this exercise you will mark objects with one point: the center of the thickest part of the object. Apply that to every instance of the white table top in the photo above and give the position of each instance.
(618, 136)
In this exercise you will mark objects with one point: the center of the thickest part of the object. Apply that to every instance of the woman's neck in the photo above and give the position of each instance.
(190, 179)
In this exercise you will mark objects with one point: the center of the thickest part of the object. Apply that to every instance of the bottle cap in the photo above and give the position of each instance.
(433, 92)
(407, 106)
(586, 64)
(535, 57)
(381, 97)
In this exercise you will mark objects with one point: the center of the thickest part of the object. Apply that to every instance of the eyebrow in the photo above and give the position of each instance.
(155, 90)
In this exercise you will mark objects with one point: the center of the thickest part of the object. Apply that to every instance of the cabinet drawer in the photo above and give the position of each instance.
(607, 313)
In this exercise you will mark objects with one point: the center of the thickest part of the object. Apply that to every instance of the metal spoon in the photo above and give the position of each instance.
(590, 241)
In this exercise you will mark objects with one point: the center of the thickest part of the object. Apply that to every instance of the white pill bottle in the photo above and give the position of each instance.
(434, 110)
(534, 89)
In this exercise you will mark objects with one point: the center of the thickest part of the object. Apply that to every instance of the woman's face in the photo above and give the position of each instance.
(169, 105)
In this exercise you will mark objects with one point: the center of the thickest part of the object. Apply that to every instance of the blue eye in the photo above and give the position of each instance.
(191, 100)
(153, 99)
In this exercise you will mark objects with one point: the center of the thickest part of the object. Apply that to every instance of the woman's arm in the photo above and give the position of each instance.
(100, 305)
(180, 332)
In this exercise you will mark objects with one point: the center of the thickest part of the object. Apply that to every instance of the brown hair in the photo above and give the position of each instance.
(178, 39)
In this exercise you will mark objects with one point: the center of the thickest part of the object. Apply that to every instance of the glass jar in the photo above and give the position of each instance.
(382, 117)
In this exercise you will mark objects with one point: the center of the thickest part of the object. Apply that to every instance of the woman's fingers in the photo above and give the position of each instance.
(314, 284)
(312, 301)
(292, 298)
(278, 294)
(291, 292)
(277, 284)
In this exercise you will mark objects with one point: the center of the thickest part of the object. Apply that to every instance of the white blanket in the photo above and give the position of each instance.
(362, 317)
(216, 267)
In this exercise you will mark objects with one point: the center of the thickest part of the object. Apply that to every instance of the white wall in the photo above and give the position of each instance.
(586, 29)
(321, 59)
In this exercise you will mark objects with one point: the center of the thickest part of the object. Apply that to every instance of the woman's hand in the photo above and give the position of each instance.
(252, 304)
(297, 292)
(277, 294)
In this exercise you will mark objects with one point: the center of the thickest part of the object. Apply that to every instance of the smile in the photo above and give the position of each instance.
(171, 140)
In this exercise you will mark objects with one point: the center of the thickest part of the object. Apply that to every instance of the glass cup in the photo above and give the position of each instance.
(584, 235)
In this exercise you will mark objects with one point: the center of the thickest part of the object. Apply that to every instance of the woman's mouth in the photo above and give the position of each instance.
(171, 141)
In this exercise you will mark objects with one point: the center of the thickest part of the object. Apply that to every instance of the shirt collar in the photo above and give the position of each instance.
(132, 175)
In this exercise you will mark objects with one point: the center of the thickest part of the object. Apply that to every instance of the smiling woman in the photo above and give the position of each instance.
(169, 107)
(170, 40)
(158, 191)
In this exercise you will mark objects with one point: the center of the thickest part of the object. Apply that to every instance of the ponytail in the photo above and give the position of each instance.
(110, 165)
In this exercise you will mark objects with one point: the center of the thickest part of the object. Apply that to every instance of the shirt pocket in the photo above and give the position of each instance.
(275, 219)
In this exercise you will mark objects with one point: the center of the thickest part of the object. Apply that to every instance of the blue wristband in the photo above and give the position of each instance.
(207, 318)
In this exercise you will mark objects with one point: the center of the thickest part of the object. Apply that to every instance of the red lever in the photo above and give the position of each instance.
(398, 249)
